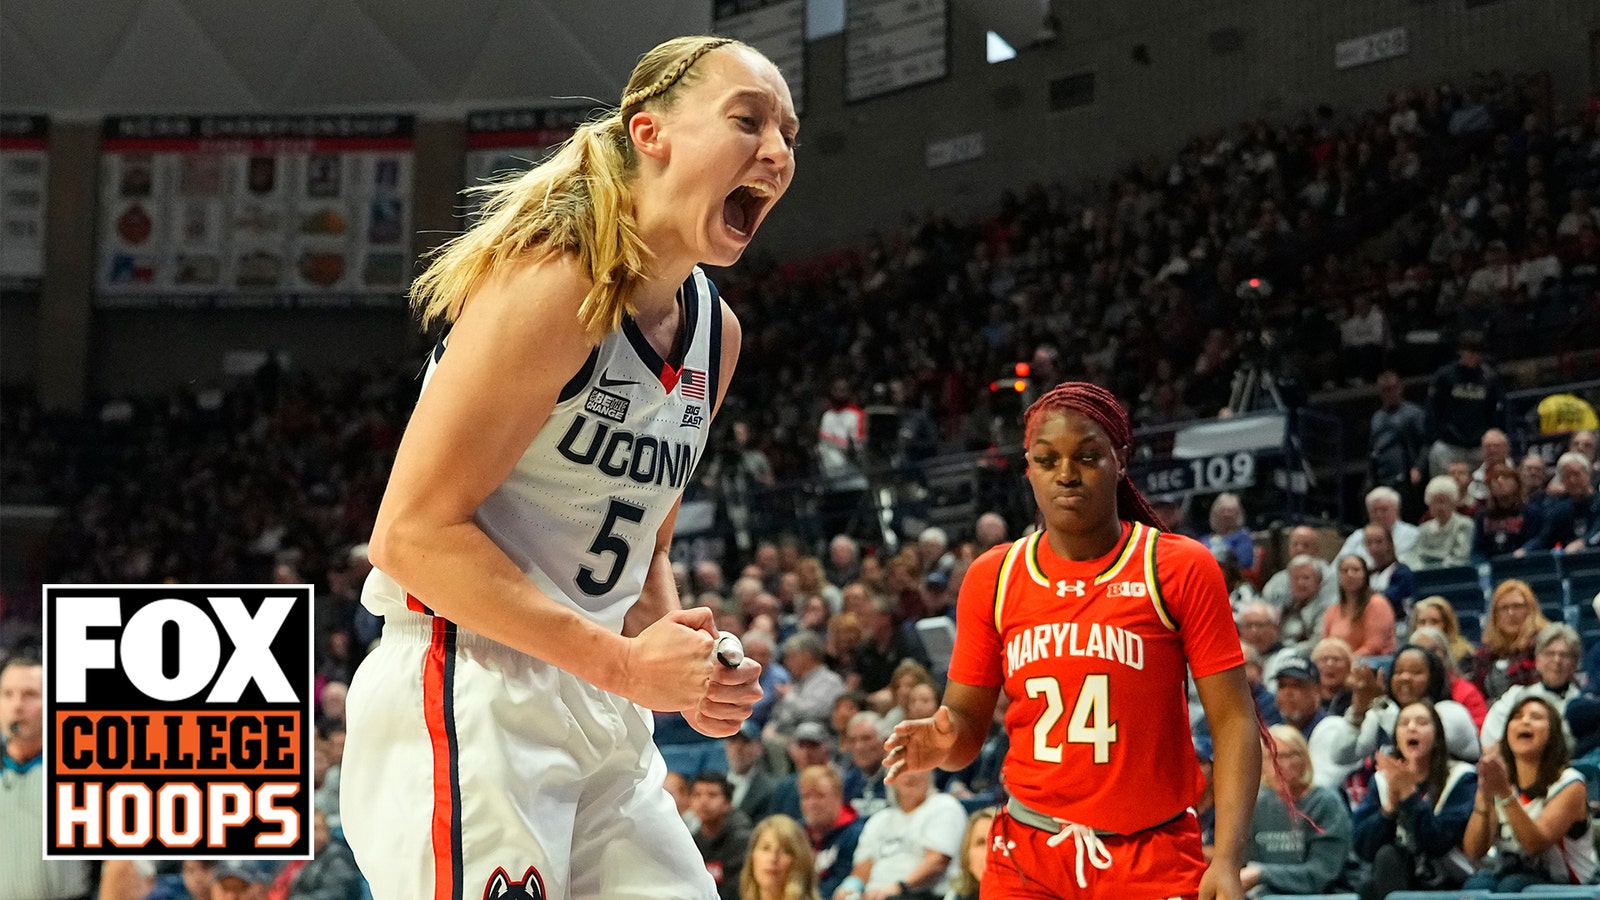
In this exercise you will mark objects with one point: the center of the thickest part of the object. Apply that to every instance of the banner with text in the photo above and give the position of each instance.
(503, 142)
(775, 27)
(24, 168)
(255, 211)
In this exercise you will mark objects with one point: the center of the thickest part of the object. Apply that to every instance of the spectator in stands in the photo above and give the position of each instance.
(832, 826)
(1258, 627)
(1364, 339)
(1505, 655)
(1375, 703)
(1505, 523)
(811, 745)
(774, 677)
(1241, 593)
(748, 771)
(1389, 576)
(844, 560)
(1436, 612)
(724, 834)
(863, 779)
(1363, 618)
(331, 874)
(1435, 641)
(780, 864)
(1299, 694)
(1229, 533)
(974, 856)
(1453, 239)
(1445, 539)
(1535, 478)
(1460, 472)
(1531, 808)
(1556, 652)
(1334, 662)
(1578, 213)
(809, 696)
(884, 649)
(1309, 599)
(1413, 818)
(813, 579)
(1303, 541)
(1383, 508)
(845, 638)
(989, 531)
(1495, 450)
(1300, 833)
(1571, 521)
(906, 849)
(1465, 399)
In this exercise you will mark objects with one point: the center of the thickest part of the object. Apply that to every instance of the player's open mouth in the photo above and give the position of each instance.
(741, 210)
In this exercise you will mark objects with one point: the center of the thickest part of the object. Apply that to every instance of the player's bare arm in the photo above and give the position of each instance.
(487, 399)
(1237, 774)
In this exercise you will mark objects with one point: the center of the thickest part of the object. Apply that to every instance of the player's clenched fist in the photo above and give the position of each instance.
(920, 744)
(728, 699)
(668, 666)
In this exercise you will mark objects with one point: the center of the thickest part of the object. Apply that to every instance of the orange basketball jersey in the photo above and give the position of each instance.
(1092, 656)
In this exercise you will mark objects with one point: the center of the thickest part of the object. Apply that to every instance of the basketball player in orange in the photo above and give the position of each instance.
(498, 742)
(1087, 625)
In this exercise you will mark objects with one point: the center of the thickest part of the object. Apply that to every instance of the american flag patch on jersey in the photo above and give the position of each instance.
(693, 384)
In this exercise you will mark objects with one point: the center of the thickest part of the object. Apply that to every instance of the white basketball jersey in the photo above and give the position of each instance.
(580, 510)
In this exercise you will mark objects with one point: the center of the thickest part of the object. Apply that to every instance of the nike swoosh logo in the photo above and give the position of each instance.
(607, 381)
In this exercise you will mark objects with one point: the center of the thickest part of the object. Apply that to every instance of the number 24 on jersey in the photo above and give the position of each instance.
(1090, 722)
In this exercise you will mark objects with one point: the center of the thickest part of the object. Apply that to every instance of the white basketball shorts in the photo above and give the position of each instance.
(472, 771)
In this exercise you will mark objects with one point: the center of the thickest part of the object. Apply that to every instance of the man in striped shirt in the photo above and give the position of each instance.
(28, 877)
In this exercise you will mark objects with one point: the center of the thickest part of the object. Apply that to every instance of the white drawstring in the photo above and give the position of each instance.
(1088, 842)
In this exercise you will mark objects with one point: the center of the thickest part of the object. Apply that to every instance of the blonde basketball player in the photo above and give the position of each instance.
(498, 743)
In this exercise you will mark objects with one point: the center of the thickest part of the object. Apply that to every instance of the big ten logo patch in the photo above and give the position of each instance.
(178, 721)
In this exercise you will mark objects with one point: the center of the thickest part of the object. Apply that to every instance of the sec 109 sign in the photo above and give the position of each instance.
(1203, 475)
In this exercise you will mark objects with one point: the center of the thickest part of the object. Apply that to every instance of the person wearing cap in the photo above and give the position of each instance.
(1299, 694)
(1465, 398)
(752, 780)
(240, 879)
(810, 745)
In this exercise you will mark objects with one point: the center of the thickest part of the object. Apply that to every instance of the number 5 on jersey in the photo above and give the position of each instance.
(1090, 722)
(607, 542)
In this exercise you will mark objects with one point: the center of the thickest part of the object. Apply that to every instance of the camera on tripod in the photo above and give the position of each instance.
(1255, 340)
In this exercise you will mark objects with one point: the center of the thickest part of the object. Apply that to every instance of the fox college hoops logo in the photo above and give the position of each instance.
(177, 721)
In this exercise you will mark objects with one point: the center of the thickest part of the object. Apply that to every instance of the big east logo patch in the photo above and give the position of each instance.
(178, 721)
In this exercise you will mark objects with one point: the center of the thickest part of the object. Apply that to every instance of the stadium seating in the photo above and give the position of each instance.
(1533, 567)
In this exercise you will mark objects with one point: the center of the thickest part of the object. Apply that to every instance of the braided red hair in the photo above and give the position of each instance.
(1102, 408)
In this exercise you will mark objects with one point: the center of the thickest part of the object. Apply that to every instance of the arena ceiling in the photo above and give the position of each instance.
(93, 57)
(87, 58)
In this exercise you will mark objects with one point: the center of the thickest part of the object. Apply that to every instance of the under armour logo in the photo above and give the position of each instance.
(1076, 587)
(1001, 845)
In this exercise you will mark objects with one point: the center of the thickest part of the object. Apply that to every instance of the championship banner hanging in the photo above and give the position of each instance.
(503, 142)
(255, 211)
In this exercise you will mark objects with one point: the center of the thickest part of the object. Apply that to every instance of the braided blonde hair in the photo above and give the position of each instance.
(578, 201)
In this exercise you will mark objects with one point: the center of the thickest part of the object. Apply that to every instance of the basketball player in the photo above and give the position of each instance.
(499, 743)
(1087, 626)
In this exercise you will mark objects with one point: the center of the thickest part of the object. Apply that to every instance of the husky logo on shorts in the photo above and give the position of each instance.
(501, 887)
